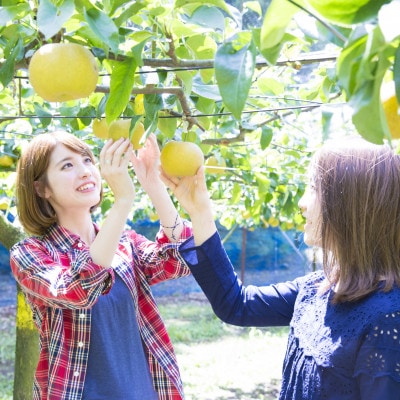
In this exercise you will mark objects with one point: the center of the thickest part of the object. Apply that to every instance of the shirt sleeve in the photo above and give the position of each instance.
(51, 279)
(160, 259)
(232, 302)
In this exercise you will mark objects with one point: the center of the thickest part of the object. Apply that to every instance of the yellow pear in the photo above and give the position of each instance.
(120, 128)
(6, 161)
(273, 221)
(138, 105)
(181, 158)
(391, 108)
(100, 128)
(137, 134)
(213, 166)
(63, 71)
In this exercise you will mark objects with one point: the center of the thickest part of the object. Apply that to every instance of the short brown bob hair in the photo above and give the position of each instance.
(35, 213)
(358, 185)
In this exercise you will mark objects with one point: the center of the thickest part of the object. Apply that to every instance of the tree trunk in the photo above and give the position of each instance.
(27, 337)
(26, 350)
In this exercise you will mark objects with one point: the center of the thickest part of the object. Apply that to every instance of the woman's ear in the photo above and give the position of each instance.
(40, 189)
(37, 187)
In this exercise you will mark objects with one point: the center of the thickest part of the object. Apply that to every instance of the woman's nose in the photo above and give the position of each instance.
(85, 171)
(302, 203)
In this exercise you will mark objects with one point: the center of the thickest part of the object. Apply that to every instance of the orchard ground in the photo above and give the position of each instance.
(217, 361)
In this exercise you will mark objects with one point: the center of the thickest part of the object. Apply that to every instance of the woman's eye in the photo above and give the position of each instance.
(67, 165)
(88, 160)
(312, 187)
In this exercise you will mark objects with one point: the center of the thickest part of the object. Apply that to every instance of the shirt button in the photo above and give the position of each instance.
(80, 344)
(80, 244)
(76, 373)
(82, 315)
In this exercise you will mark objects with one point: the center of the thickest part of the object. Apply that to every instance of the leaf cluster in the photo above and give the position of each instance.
(255, 83)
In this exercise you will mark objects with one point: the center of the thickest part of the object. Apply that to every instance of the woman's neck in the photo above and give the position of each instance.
(81, 226)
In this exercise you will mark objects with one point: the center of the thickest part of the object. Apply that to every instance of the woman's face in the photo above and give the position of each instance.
(73, 181)
(310, 207)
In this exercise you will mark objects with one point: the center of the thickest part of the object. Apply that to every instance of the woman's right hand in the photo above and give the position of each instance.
(192, 194)
(114, 160)
(190, 191)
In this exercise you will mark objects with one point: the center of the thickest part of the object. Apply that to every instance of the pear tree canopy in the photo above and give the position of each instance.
(257, 84)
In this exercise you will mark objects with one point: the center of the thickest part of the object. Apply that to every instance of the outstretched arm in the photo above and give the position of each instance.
(191, 192)
(114, 160)
(146, 165)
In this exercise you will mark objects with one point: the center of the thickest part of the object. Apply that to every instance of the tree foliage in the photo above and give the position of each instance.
(257, 83)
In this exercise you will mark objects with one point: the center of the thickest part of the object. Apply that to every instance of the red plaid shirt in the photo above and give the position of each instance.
(61, 284)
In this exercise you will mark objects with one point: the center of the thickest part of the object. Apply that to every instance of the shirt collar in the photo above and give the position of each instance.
(63, 237)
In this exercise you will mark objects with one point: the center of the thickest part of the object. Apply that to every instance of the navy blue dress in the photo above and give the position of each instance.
(348, 351)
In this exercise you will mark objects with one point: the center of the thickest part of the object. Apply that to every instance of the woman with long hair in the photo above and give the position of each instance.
(344, 319)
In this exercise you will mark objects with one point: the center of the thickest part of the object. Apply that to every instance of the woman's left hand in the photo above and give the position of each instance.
(114, 161)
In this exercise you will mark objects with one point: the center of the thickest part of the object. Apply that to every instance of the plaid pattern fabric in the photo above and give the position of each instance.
(61, 284)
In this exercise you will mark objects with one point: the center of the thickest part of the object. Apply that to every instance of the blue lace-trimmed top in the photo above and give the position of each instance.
(348, 351)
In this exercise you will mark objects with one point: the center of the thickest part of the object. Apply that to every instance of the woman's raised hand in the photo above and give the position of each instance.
(192, 194)
(146, 164)
(114, 160)
(190, 191)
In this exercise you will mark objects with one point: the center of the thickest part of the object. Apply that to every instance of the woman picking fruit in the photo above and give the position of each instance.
(101, 335)
(344, 338)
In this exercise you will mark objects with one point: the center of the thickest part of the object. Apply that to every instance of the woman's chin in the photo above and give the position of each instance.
(311, 241)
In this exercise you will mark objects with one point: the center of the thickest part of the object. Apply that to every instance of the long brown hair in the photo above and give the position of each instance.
(358, 184)
(35, 213)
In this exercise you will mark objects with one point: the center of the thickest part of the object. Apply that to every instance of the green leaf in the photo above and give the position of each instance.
(202, 46)
(140, 38)
(51, 18)
(368, 118)
(101, 106)
(327, 115)
(264, 183)
(207, 91)
(277, 18)
(86, 114)
(7, 71)
(209, 17)
(133, 8)
(361, 67)
(127, 12)
(266, 136)
(167, 124)
(44, 116)
(152, 104)
(346, 12)
(236, 193)
(13, 12)
(217, 3)
(396, 73)
(234, 68)
(104, 27)
(368, 114)
(7, 68)
(122, 79)
(348, 64)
